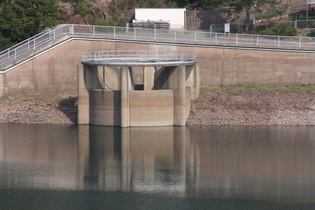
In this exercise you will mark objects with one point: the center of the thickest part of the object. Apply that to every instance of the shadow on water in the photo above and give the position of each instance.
(45, 199)
(157, 168)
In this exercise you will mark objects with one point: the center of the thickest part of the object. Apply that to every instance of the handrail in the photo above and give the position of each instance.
(30, 44)
(85, 31)
(138, 56)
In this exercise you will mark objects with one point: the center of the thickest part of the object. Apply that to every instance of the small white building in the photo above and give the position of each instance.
(175, 16)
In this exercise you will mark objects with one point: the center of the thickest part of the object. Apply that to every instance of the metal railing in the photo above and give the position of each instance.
(238, 27)
(138, 56)
(32, 44)
(58, 34)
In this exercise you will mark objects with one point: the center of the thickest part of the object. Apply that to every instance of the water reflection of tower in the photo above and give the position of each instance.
(99, 156)
(136, 159)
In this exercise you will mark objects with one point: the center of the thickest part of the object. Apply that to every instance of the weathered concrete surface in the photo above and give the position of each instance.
(105, 107)
(148, 74)
(180, 97)
(154, 108)
(188, 98)
(83, 98)
(193, 80)
(267, 67)
(112, 77)
(125, 97)
(55, 71)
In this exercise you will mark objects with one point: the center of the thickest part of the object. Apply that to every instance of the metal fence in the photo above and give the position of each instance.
(298, 24)
(60, 33)
(238, 27)
(137, 56)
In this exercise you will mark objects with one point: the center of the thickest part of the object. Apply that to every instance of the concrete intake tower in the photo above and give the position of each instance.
(136, 88)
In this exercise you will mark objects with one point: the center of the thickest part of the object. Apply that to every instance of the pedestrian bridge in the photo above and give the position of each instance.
(108, 94)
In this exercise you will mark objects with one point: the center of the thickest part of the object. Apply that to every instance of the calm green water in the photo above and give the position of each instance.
(94, 167)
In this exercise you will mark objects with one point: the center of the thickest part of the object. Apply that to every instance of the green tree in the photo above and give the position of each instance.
(82, 8)
(21, 19)
(107, 22)
(199, 4)
(271, 7)
(122, 11)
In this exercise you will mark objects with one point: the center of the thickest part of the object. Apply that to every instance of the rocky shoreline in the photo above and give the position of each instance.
(214, 107)
(51, 109)
(254, 107)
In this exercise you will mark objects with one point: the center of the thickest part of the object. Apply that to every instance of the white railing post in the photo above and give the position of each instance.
(54, 34)
(154, 32)
(300, 42)
(257, 40)
(14, 53)
(175, 36)
(71, 30)
(195, 36)
(278, 41)
(134, 33)
(115, 32)
(93, 28)
(236, 39)
(216, 37)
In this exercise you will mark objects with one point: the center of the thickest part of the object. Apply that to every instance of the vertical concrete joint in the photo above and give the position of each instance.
(197, 80)
(124, 97)
(83, 97)
(180, 97)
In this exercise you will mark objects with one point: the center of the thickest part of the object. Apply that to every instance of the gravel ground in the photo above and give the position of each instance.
(214, 107)
(254, 107)
(39, 110)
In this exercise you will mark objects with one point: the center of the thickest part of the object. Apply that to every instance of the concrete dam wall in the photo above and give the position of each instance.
(55, 71)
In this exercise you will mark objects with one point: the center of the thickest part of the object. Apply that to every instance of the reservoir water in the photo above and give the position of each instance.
(95, 167)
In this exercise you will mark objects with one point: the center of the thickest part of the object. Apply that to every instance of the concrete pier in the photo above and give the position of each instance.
(83, 97)
(124, 97)
(148, 74)
(180, 97)
(108, 96)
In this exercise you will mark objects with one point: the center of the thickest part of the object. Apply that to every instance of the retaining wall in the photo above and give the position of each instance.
(295, 5)
(203, 19)
(56, 70)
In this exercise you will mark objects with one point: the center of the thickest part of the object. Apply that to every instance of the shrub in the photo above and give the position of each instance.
(311, 33)
(108, 22)
(82, 8)
(281, 30)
